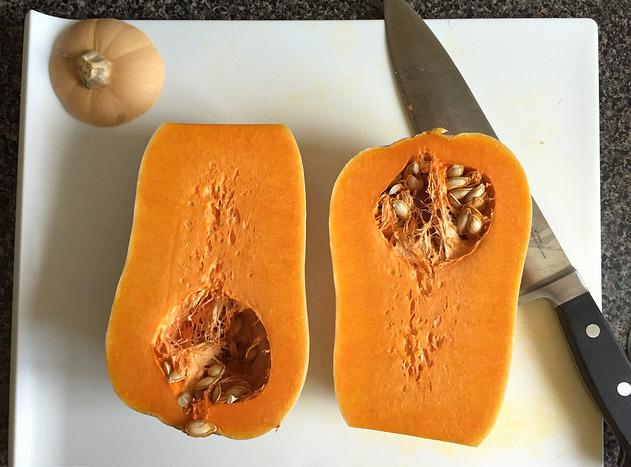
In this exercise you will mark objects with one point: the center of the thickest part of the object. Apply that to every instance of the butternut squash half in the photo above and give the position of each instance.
(428, 239)
(208, 330)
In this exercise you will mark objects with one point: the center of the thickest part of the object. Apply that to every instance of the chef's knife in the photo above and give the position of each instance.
(436, 95)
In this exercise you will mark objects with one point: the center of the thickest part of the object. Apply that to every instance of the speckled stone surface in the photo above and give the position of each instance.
(614, 21)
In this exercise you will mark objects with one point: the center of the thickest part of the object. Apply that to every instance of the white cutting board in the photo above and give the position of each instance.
(332, 84)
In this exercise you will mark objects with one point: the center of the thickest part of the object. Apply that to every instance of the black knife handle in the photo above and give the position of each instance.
(605, 369)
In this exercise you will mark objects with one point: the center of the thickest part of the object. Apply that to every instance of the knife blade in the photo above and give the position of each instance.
(436, 95)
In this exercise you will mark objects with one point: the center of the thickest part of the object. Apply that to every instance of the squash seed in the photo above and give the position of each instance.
(394, 189)
(230, 399)
(453, 201)
(463, 221)
(414, 167)
(474, 225)
(455, 170)
(459, 193)
(414, 183)
(166, 367)
(200, 428)
(216, 370)
(215, 393)
(174, 376)
(456, 182)
(478, 204)
(206, 382)
(402, 209)
(184, 399)
(475, 192)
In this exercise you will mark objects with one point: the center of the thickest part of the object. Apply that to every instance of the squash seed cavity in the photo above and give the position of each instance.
(212, 351)
(433, 213)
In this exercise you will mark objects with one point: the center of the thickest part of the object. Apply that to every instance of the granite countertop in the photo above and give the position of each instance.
(613, 18)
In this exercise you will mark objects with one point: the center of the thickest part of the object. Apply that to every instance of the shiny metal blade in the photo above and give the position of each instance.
(547, 271)
(432, 88)
(436, 95)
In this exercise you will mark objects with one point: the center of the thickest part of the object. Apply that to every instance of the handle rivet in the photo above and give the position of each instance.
(593, 331)
(624, 389)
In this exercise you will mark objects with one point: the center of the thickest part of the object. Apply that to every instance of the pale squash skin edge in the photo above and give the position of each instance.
(260, 261)
(461, 335)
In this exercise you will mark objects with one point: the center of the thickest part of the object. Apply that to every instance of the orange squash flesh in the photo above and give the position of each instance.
(220, 209)
(416, 353)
